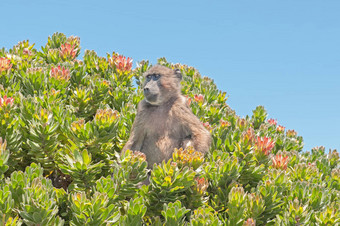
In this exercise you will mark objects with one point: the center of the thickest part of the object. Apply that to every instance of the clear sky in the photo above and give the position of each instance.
(284, 55)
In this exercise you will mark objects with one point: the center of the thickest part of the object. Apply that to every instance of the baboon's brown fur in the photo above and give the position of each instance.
(164, 121)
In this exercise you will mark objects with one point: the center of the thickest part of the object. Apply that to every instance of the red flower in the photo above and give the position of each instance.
(249, 222)
(68, 51)
(188, 100)
(207, 125)
(121, 63)
(280, 162)
(264, 145)
(124, 64)
(272, 122)
(202, 184)
(60, 73)
(27, 51)
(6, 101)
(5, 64)
(199, 98)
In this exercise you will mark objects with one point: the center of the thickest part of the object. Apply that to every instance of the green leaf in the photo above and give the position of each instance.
(86, 158)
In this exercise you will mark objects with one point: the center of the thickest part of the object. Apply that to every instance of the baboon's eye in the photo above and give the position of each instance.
(148, 78)
(156, 77)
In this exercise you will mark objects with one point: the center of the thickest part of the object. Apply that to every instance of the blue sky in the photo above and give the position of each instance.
(284, 55)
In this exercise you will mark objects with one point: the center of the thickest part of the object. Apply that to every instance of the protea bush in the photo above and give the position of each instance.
(64, 121)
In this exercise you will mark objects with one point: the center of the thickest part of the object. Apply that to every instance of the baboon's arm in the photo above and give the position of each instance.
(136, 138)
(201, 138)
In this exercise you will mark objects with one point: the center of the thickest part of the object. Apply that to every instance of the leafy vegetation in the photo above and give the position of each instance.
(64, 121)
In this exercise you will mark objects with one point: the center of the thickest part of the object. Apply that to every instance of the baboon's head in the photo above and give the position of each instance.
(161, 83)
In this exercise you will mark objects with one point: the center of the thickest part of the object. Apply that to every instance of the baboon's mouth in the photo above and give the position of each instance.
(151, 98)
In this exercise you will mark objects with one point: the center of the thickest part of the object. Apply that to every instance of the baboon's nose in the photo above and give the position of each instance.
(146, 90)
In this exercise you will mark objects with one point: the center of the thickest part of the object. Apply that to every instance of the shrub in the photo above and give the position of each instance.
(64, 121)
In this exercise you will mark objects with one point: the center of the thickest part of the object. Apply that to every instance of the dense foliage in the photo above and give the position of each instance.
(64, 121)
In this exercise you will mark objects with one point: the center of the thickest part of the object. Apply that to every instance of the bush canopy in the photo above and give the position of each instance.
(64, 121)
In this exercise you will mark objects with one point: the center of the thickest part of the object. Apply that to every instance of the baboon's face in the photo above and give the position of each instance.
(161, 83)
(152, 91)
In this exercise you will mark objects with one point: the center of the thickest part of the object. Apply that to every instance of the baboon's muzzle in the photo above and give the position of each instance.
(151, 91)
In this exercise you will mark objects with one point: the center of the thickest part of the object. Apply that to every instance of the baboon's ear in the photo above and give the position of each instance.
(178, 73)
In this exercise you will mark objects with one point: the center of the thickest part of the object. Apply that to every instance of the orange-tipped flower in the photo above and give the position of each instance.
(77, 125)
(43, 116)
(280, 129)
(107, 116)
(291, 133)
(137, 156)
(242, 123)
(3, 144)
(224, 123)
(5, 64)
(280, 162)
(264, 145)
(188, 157)
(249, 136)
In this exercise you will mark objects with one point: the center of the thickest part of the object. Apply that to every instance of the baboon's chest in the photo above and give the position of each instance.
(160, 123)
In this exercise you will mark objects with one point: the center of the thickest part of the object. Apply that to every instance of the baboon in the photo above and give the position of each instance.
(164, 121)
